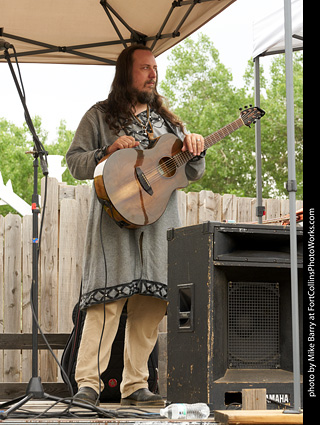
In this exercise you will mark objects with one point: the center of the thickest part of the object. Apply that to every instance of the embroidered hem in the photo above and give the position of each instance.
(142, 287)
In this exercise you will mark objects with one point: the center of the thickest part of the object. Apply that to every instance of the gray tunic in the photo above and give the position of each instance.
(120, 262)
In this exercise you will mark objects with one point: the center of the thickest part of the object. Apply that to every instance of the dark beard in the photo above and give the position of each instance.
(143, 97)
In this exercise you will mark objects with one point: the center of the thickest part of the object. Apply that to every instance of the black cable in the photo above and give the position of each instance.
(21, 91)
(104, 298)
(18, 68)
(234, 406)
(96, 411)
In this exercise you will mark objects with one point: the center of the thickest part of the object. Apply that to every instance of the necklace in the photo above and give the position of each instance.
(145, 126)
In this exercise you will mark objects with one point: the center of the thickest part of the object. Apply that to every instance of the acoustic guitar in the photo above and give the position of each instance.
(135, 185)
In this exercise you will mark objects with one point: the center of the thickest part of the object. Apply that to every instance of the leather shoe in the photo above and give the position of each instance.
(143, 397)
(87, 395)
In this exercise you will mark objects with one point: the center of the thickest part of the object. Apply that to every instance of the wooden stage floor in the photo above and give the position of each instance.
(49, 412)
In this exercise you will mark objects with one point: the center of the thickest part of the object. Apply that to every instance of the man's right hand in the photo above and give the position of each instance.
(123, 142)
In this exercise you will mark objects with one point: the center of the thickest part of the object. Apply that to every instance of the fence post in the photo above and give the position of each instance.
(229, 207)
(209, 206)
(26, 355)
(12, 292)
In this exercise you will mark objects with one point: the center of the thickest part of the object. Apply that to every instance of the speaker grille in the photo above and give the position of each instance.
(253, 325)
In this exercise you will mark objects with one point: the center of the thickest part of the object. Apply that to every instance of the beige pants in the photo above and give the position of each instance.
(144, 314)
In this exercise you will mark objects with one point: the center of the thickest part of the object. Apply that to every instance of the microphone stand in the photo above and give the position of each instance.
(34, 388)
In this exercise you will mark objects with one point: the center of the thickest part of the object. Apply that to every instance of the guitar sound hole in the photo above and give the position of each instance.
(167, 167)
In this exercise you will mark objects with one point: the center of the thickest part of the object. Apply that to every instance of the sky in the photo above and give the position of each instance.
(66, 92)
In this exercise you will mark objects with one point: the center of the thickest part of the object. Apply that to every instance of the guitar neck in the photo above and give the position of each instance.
(215, 137)
(183, 157)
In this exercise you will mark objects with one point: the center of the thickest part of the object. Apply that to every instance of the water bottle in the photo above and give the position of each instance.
(186, 411)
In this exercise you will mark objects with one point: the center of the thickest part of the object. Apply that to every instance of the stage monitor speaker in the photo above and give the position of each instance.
(229, 313)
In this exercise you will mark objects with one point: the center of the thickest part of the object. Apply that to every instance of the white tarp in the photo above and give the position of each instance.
(268, 33)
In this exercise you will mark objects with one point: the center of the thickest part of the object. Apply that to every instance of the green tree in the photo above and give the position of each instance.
(17, 165)
(274, 145)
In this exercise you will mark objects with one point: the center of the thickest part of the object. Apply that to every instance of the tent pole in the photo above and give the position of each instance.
(259, 207)
(292, 188)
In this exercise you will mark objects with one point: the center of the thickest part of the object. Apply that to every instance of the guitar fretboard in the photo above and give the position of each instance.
(183, 157)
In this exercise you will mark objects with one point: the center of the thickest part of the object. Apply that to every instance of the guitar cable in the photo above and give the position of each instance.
(104, 298)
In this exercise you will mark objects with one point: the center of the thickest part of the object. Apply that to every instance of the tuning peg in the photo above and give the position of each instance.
(246, 107)
(250, 106)
(240, 109)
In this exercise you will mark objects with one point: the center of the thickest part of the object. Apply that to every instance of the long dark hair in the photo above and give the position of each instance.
(119, 104)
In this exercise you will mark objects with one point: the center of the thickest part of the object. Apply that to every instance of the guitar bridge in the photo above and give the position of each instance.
(144, 181)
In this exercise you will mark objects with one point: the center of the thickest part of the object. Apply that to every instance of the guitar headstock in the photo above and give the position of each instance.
(251, 115)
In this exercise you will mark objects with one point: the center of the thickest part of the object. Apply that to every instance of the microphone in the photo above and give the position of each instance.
(5, 45)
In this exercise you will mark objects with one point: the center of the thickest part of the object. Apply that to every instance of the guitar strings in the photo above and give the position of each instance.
(169, 166)
(166, 167)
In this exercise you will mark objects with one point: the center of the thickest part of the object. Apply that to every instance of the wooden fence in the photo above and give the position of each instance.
(61, 259)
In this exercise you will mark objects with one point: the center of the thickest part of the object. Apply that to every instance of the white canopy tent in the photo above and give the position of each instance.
(282, 32)
(268, 33)
(96, 31)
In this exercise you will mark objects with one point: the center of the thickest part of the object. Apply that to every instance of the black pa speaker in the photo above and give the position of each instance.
(229, 313)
